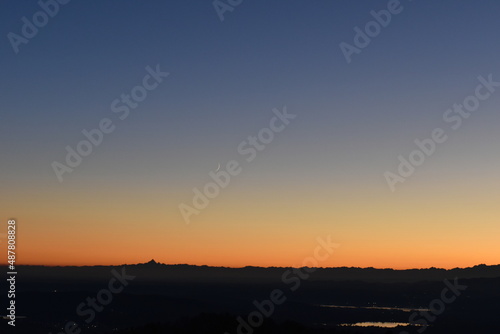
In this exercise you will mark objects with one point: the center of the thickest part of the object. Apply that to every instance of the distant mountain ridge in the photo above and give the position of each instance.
(154, 271)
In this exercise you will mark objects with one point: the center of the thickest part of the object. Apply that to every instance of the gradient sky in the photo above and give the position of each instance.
(323, 175)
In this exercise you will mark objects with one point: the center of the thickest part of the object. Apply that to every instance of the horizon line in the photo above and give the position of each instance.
(243, 267)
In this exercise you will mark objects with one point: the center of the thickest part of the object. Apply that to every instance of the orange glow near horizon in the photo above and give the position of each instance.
(373, 231)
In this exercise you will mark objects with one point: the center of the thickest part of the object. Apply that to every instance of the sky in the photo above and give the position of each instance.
(323, 174)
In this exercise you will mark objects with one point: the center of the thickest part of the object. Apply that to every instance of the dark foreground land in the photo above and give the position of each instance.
(157, 298)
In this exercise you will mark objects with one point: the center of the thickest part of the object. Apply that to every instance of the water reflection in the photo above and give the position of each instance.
(379, 324)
